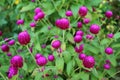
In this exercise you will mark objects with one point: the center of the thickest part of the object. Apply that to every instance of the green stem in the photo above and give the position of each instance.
(63, 35)
(3, 76)
(31, 55)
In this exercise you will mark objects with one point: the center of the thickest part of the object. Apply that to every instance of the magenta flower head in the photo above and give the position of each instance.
(12, 71)
(83, 11)
(33, 0)
(56, 44)
(5, 48)
(89, 37)
(32, 24)
(9, 54)
(69, 13)
(41, 61)
(89, 62)
(11, 42)
(78, 38)
(111, 35)
(23, 38)
(79, 24)
(108, 14)
(38, 55)
(62, 23)
(82, 56)
(20, 22)
(86, 20)
(106, 66)
(108, 61)
(37, 10)
(80, 32)
(1, 33)
(94, 28)
(79, 49)
(109, 50)
(43, 45)
(51, 57)
(17, 61)
(36, 18)
(59, 50)
(41, 15)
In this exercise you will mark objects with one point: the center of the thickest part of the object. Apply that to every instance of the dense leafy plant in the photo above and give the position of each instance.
(58, 40)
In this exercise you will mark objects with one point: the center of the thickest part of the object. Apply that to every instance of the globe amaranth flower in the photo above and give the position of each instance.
(56, 44)
(77, 38)
(108, 14)
(89, 37)
(86, 20)
(89, 62)
(69, 13)
(51, 57)
(106, 66)
(79, 49)
(41, 61)
(94, 28)
(111, 35)
(5, 48)
(17, 61)
(32, 24)
(62, 23)
(83, 11)
(24, 38)
(12, 71)
(82, 56)
(11, 42)
(109, 50)
(80, 32)
(20, 22)
(38, 55)
(79, 24)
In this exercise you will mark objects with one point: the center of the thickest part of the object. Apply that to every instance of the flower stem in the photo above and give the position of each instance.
(63, 35)
(2, 76)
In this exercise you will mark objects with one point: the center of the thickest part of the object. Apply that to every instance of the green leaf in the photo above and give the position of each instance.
(105, 41)
(62, 13)
(117, 35)
(59, 63)
(28, 7)
(24, 66)
(95, 73)
(84, 76)
(38, 76)
(70, 37)
(67, 56)
(112, 59)
(70, 67)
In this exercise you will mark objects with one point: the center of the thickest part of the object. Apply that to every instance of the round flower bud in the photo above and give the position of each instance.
(11, 42)
(78, 38)
(83, 11)
(109, 50)
(51, 57)
(94, 28)
(69, 13)
(108, 14)
(41, 61)
(56, 44)
(5, 48)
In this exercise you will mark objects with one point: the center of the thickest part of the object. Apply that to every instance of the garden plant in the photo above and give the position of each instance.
(59, 40)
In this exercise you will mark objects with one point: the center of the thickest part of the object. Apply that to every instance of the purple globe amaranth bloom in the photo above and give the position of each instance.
(17, 61)
(77, 38)
(24, 38)
(111, 35)
(6, 39)
(5, 48)
(36, 18)
(89, 37)
(94, 28)
(33, 0)
(11, 42)
(43, 46)
(86, 20)
(108, 14)
(41, 61)
(80, 32)
(31, 49)
(9, 54)
(56, 44)
(69, 13)
(108, 61)
(79, 24)
(106, 66)
(1, 33)
(12, 71)
(82, 56)
(51, 57)
(79, 49)
(109, 50)
(38, 55)
(83, 11)
(20, 22)
(62, 23)
(59, 50)
(37, 10)
(89, 62)
(32, 24)
(41, 15)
